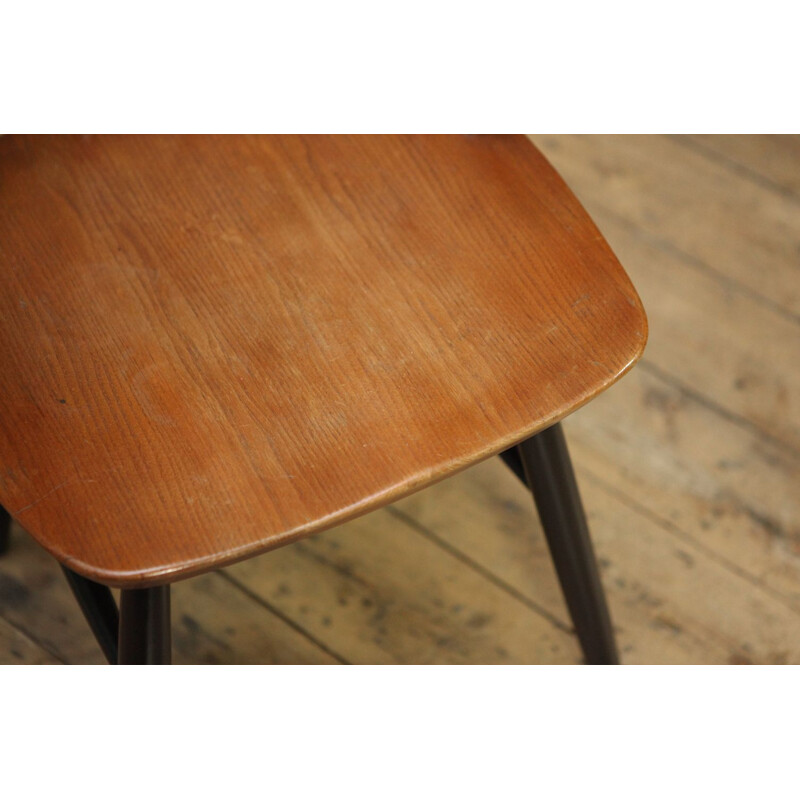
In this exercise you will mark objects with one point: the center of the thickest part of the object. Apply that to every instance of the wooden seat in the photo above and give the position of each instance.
(213, 346)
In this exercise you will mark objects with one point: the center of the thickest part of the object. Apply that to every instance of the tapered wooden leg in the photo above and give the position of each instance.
(544, 464)
(5, 528)
(144, 630)
(100, 610)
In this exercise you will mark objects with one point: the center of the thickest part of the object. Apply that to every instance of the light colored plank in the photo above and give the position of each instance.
(717, 340)
(17, 648)
(770, 157)
(722, 485)
(214, 623)
(671, 602)
(736, 227)
(379, 592)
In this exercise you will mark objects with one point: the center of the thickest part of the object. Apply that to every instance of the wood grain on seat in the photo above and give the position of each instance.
(212, 346)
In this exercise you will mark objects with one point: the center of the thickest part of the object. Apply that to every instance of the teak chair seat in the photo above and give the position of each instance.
(214, 346)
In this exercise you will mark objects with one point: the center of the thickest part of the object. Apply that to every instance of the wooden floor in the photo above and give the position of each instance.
(690, 470)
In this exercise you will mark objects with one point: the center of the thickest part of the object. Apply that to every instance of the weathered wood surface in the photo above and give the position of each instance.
(742, 356)
(770, 160)
(18, 648)
(690, 469)
(383, 592)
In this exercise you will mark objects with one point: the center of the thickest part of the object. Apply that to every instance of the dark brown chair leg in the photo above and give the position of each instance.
(514, 463)
(543, 463)
(5, 528)
(144, 631)
(100, 610)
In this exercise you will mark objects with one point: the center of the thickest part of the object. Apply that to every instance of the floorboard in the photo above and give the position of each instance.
(772, 161)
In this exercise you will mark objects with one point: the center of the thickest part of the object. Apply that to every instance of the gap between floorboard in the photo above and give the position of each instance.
(22, 631)
(256, 598)
(735, 167)
(707, 402)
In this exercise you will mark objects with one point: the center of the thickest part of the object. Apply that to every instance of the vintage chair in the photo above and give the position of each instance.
(213, 346)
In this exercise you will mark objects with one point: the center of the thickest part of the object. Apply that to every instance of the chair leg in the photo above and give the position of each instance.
(5, 528)
(544, 462)
(144, 631)
(100, 610)
(514, 463)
